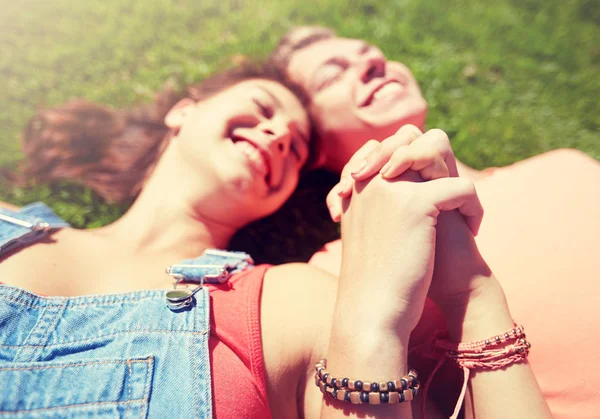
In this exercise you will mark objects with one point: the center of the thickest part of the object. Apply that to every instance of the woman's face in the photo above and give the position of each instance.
(357, 95)
(249, 141)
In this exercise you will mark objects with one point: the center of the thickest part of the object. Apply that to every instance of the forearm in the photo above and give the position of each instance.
(492, 394)
(360, 350)
(476, 310)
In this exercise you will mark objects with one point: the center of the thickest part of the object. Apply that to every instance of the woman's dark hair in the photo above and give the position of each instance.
(113, 151)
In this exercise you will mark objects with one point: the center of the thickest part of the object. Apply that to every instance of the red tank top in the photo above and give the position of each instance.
(238, 369)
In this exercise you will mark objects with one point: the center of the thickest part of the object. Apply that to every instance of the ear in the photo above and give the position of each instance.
(177, 114)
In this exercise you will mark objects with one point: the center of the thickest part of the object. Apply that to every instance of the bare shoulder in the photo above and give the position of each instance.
(300, 296)
(11, 207)
(301, 276)
(296, 311)
(42, 266)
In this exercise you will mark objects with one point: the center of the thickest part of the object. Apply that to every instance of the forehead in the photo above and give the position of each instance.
(305, 61)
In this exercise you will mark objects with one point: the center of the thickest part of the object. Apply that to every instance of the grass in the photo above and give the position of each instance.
(506, 79)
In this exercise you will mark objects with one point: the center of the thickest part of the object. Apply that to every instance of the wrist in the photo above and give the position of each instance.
(363, 306)
(371, 353)
(477, 314)
(365, 327)
(370, 356)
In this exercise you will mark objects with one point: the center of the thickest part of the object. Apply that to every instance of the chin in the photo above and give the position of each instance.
(411, 111)
(389, 130)
(417, 119)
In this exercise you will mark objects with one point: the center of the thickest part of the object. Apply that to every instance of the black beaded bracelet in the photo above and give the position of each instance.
(357, 392)
(405, 383)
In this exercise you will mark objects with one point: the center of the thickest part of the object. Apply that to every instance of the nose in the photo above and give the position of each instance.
(277, 136)
(371, 64)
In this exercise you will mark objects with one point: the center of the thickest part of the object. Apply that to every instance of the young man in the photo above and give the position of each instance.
(541, 224)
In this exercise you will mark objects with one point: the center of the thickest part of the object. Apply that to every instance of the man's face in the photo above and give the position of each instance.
(357, 95)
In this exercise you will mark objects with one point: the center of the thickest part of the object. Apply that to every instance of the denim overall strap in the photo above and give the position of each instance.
(29, 224)
(213, 266)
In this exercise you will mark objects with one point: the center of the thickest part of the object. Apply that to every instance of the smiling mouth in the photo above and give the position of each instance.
(390, 89)
(256, 157)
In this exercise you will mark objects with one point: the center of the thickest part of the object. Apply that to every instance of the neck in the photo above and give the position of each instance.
(170, 230)
(170, 224)
(179, 213)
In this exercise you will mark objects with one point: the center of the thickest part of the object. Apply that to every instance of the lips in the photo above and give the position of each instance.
(258, 158)
(384, 90)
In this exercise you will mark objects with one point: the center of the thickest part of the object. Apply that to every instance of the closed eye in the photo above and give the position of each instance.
(329, 73)
(265, 110)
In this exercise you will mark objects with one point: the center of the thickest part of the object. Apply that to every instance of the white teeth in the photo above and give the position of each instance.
(254, 156)
(388, 89)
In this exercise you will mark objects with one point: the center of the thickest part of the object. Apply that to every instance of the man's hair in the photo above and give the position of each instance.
(296, 39)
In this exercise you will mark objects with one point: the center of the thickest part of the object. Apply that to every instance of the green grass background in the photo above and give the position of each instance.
(506, 79)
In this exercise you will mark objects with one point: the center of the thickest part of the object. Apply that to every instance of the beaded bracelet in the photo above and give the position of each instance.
(513, 334)
(404, 389)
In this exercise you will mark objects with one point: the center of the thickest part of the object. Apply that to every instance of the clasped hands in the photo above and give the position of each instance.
(406, 218)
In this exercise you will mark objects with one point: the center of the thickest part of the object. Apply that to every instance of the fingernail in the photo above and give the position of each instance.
(384, 169)
(360, 169)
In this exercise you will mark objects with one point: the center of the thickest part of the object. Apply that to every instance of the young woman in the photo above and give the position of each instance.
(541, 220)
(91, 323)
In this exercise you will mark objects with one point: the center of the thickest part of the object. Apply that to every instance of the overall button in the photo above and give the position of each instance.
(181, 298)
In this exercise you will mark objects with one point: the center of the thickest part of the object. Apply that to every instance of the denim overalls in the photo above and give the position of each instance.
(119, 355)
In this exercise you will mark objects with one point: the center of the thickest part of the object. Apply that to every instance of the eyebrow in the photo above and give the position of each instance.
(272, 96)
(364, 47)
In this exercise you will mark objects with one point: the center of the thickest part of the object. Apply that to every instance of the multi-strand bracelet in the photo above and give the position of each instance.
(366, 392)
(490, 354)
(493, 353)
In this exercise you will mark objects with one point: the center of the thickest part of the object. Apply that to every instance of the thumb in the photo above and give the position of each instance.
(456, 193)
